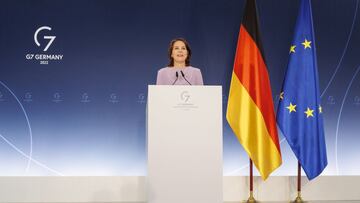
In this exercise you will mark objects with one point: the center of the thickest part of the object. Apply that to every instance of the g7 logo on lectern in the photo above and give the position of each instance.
(185, 103)
(50, 38)
(185, 96)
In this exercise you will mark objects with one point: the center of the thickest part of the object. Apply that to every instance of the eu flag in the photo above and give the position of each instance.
(299, 114)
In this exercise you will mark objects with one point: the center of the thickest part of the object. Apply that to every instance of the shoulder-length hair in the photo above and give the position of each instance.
(171, 47)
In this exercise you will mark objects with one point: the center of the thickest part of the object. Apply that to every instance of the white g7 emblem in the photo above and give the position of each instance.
(51, 38)
(185, 96)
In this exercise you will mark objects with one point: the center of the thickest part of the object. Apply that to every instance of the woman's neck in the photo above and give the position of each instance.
(179, 65)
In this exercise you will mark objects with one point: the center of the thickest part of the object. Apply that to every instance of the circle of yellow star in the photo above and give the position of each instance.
(309, 112)
(291, 108)
(306, 44)
(292, 49)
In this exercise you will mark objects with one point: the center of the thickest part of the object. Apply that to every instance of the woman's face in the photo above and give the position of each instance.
(179, 52)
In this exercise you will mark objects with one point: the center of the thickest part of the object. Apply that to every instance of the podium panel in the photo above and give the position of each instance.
(184, 140)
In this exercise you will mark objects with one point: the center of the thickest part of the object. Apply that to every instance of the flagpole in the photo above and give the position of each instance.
(251, 197)
(298, 198)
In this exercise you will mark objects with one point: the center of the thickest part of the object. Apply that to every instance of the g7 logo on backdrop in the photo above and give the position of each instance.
(44, 58)
(50, 38)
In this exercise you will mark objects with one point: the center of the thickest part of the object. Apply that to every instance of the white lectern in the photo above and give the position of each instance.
(184, 140)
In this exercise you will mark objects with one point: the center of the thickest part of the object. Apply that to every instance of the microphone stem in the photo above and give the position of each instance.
(182, 73)
(177, 77)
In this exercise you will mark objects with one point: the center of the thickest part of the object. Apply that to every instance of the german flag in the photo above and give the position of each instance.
(250, 110)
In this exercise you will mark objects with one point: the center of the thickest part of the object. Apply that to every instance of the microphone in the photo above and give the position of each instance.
(182, 73)
(177, 77)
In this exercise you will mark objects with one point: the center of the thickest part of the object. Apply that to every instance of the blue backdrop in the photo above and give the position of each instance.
(75, 104)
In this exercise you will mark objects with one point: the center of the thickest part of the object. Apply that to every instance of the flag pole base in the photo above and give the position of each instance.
(251, 198)
(298, 198)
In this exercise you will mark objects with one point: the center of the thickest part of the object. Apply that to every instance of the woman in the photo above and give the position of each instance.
(179, 71)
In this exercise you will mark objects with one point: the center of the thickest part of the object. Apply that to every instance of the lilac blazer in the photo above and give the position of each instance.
(167, 76)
